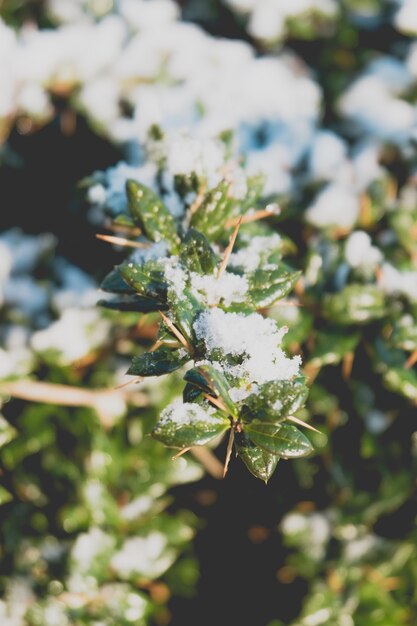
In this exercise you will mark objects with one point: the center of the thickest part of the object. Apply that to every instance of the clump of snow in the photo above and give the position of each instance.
(258, 249)
(252, 340)
(359, 251)
(147, 556)
(182, 413)
(373, 101)
(73, 336)
(268, 19)
(90, 546)
(186, 155)
(406, 17)
(237, 394)
(334, 206)
(328, 155)
(397, 282)
(226, 289)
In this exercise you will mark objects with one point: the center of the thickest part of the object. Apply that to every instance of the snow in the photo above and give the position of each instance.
(74, 335)
(258, 248)
(406, 17)
(226, 289)
(90, 546)
(147, 556)
(187, 413)
(398, 282)
(359, 251)
(252, 340)
(327, 156)
(334, 206)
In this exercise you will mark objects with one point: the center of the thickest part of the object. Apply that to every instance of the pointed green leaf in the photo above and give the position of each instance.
(195, 377)
(276, 400)
(146, 282)
(114, 283)
(185, 310)
(218, 382)
(5, 496)
(161, 361)
(268, 286)
(137, 303)
(191, 393)
(331, 347)
(355, 304)
(282, 439)
(404, 335)
(189, 424)
(214, 211)
(197, 254)
(402, 381)
(151, 214)
(259, 462)
(7, 432)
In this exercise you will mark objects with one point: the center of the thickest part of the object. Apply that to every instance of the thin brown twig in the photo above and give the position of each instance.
(228, 452)
(176, 332)
(67, 395)
(229, 249)
(251, 217)
(199, 199)
(207, 459)
(412, 359)
(133, 231)
(217, 402)
(180, 453)
(122, 241)
(296, 420)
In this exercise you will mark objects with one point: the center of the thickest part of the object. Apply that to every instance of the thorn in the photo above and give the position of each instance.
(199, 199)
(253, 217)
(412, 359)
(296, 420)
(229, 248)
(347, 364)
(136, 380)
(155, 346)
(176, 332)
(217, 402)
(228, 452)
(121, 241)
(180, 453)
(133, 231)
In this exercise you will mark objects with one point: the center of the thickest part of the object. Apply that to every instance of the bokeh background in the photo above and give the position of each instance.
(98, 526)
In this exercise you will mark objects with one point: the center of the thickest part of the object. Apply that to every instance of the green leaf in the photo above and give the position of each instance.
(355, 304)
(151, 214)
(114, 283)
(7, 432)
(161, 361)
(282, 439)
(404, 335)
(213, 213)
(260, 463)
(268, 286)
(139, 304)
(197, 254)
(276, 400)
(195, 377)
(218, 382)
(402, 381)
(5, 496)
(191, 393)
(182, 426)
(331, 347)
(185, 310)
(145, 281)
